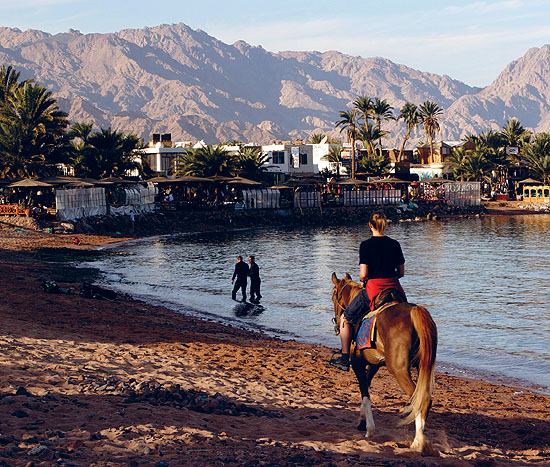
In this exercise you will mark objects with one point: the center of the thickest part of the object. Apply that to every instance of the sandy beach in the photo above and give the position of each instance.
(93, 382)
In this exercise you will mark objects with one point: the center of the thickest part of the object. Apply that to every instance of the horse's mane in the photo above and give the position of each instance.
(355, 288)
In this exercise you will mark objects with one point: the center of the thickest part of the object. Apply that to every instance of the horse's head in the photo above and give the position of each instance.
(343, 293)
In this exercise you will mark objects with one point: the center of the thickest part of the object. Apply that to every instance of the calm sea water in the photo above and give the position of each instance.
(485, 281)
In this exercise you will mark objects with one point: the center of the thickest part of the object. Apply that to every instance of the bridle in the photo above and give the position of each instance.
(337, 299)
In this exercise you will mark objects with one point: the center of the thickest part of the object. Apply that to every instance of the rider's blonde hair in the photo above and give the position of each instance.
(378, 221)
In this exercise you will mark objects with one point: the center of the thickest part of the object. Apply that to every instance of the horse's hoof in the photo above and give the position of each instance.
(369, 433)
(362, 425)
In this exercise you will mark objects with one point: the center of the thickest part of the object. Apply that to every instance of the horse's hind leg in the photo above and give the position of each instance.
(403, 377)
(364, 374)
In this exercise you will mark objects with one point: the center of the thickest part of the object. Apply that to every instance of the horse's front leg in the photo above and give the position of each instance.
(364, 373)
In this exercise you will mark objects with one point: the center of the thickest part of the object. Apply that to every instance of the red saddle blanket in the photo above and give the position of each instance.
(366, 335)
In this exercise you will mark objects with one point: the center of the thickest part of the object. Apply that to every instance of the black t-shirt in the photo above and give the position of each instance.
(241, 271)
(382, 255)
(254, 272)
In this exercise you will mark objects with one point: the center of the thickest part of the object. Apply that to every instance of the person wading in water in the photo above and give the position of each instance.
(255, 280)
(241, 273)
(381, 264)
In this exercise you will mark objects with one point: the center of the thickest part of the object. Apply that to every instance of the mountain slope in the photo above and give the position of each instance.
(171, 78)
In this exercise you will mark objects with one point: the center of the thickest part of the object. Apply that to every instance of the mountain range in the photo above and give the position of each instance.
(174, 79)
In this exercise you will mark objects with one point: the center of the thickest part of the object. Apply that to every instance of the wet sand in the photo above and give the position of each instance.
(96, 382)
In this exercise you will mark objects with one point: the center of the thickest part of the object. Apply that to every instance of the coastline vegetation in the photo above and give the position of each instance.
(36, 136)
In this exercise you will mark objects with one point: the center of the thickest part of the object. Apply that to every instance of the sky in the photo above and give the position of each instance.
(471, 41)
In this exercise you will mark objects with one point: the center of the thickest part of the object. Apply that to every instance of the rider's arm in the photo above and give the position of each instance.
(401, 270)
(363, 272)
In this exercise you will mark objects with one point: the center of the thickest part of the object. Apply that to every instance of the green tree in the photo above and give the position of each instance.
(411, 116)
(477, 167)
(430, 113)
(317, 138)
(363, 104)
(456, 162)
(207, 161)
(537, 157)
(334, 157)
(515, 135)
(105, 153)
(32, 131)
(251, 163)
(381, 110)
(348, 122)
(374, 164)
(9, 81)
(368, 134)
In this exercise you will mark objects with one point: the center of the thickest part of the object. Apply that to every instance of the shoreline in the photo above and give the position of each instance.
(70, 363)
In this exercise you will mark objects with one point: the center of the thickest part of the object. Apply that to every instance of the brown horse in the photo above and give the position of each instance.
(406, 337)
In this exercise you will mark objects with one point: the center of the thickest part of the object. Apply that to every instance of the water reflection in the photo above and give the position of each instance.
(485, 281)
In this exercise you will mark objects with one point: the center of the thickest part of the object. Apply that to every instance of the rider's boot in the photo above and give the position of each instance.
(341, 362)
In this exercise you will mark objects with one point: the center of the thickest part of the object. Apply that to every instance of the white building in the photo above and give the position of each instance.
(296, 159)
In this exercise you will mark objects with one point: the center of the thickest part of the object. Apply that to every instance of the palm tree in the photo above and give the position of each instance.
(32, 131)
(514, 135)
(317, 138)
(430, 113)
(106, 153)
(374, 164)
(381, 110)
(370, 133)
(477, 167)
(207, 161)
(348, 122)
(251, 163)
(363, 104)
(334, 157)
(411, 116)
(537, 156)
(456, 162)
(9, 81)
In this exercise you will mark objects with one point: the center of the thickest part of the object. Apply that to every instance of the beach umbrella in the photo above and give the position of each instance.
(280, 187)
(391, 180)
(348, 181)
(436, 180)
(219, 178)
(530, 181)
(115, 180)
(78, 183)
(28, 183)
(160, 180)
(192, 179)
(242, 181)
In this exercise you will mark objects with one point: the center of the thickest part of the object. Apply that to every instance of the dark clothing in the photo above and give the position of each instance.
(241, 273)
(254, 272)
(382, 255)
(239, 284)
(255, 282)
(358, 306)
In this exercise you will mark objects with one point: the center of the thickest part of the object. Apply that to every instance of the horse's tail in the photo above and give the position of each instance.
(426, 330)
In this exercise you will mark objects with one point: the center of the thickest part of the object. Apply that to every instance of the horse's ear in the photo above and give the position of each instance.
(348, 277)
(334, 278)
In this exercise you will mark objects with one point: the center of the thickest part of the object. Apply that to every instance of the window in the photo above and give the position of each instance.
(539, 193)
(278, 157)
(533, 193)
(546, 193)
(303, 159)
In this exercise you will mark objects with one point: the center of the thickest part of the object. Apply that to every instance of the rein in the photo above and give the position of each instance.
(336, 319)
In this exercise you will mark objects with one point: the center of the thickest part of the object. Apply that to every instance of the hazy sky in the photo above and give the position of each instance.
(468, 40)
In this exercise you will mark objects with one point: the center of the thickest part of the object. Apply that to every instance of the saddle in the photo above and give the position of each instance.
(365, 335)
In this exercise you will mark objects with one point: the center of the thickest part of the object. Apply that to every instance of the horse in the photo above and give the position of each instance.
(406, 338)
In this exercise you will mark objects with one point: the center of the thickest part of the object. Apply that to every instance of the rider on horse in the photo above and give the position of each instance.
(381, 264)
